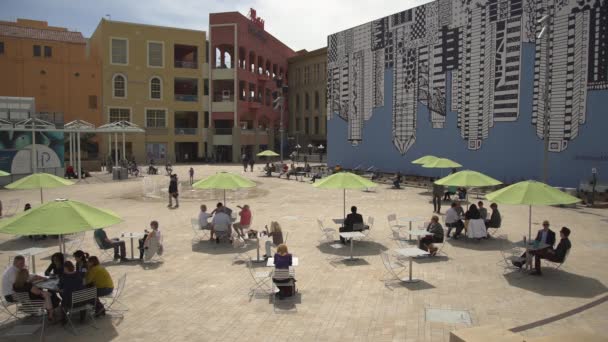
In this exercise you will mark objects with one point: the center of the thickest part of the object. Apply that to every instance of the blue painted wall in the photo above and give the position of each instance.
(511, 153)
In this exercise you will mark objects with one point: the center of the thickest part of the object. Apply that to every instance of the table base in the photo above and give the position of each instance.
(411, 280)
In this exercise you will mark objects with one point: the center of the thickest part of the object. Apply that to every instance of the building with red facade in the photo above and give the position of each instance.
(245, 64)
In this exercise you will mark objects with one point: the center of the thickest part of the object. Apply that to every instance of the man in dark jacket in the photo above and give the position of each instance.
(351, 219)
(546, 235)
(173, 192)
(556, 255)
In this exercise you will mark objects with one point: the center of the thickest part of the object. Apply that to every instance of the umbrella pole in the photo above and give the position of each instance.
(225, 198)
(41, 199)
(530, 224)
(344, 207)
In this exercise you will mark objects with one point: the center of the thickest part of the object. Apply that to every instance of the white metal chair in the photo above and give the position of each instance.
(82, 300)
(154, 251)
(493, 230)
(31, 309)
(393, 270)
(556, 264)
(328, 233)
(261, 280)
(10, 308)
(199, 234)
(510, 255)
(287, 278)
(368, 232)
(223, 232)
(110, 302)
(75, 242)
(107, 253)
(393, 223)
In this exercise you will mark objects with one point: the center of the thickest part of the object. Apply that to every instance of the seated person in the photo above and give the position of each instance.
(495, 219)
(543, 236)
(220, 224)
(556, 255)
(245, 221)
(350, 221)
(451, 191)
(148, 238)
(462, 193)
(453, 219)
(338, 168)
(277, 237)
(472, 213)
(219, 205)
(105, 243)
(307, 168)
(268, 170)
(282, 261)
(284, 170)
(203, 218)
(56, 266)
(27, 207)
(24, 284)
(397, 181)
(317, 175)
(426, 243)
(483, 212)
(273, 168)
(9, 276)
(70, 281)
(81, 261)
(69, 172)
(292, 170)
(99, 277)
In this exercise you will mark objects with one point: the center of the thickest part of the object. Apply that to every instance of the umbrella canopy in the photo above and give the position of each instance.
(267, 153)
(39, 181)
(58, 217)
(344, 180)
(224, 181)
(441, 163)
(4, 173)
(424, 160)
(531, 193)
(468, 178)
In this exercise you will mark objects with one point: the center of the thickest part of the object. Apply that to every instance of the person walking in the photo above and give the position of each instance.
(251, 163)
(438, 191)
(191, 173)
(173, 192)
(244, 160)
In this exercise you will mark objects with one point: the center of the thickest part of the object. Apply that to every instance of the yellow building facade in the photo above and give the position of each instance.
(156, 78)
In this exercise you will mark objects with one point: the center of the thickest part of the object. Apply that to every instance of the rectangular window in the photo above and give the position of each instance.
(297, 124)
(207, 51)
(92, 101)
(1, 48)
(48, 51)
(316, 125)
(156, 118)
(119, 52)
(206, 86)
(155, 54)
(120, 114)
(206, 123)
(37, 51)
(306, 130)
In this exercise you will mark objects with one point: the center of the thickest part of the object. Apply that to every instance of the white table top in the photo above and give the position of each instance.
(411, 252)
(351, 235)
(32, 251)
(412, 219)
(49, 284)
(533, 247)
(418, 232)
(294, 262)
(132, 235)
(338, 220)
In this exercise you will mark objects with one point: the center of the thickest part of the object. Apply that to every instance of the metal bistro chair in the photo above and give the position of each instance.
(107, 253)
(393, 224)
(261, 280)
(493, 230)
(110, 302)
(393, 270)
(32, 309)
(10, 308)
(75, 242)
(283, 274)
(328, 233)
(368, 232)
(199, 234)
(82, 300)
(557, 265)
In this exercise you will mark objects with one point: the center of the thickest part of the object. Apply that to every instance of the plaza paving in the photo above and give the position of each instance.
(200, 294)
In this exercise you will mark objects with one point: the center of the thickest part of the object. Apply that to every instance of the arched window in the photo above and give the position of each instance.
(119, 85)
(155, 88)
(306, 101)
(316, 100)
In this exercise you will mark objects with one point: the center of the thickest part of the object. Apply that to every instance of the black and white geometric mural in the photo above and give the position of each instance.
(478, 42)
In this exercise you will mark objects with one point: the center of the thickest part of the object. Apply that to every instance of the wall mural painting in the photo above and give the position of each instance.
(478, 42)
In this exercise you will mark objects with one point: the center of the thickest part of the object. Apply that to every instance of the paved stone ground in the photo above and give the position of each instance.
(199, 294)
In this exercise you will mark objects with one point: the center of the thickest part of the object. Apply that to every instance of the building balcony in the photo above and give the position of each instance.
(222, 131)
(185, 131)
(223, 106)
(157, 131)
(186, 64)
(254, 105)
(186, 97)
(222, 74)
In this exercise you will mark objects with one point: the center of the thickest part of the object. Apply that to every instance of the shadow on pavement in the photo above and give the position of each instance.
(558, 283)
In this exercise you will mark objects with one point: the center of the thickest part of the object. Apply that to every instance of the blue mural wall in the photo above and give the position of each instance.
(418, 83)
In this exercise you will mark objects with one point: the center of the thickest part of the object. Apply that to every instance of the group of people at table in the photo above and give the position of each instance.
(85, 271)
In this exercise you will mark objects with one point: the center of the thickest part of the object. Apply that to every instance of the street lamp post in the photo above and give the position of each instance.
(298, 147)
(544, 32)
(321, 147)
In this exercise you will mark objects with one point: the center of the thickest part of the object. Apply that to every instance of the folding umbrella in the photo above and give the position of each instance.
(224, 181)
(468, 178)
(424, 160)
(531, 193)
(4, 173)
(39, 181)
(267, 153)
(441, 163)
(344, 180)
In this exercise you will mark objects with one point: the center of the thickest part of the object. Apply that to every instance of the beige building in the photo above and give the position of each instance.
(154, 77)
(307, 95)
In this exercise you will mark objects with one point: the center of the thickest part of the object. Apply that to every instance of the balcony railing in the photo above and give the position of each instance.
(185, 131)
(156, 131)
(186, 64)
(223, 98)
(186, 97)
(223, 131)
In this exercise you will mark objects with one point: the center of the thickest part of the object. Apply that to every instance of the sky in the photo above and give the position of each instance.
(299, 24)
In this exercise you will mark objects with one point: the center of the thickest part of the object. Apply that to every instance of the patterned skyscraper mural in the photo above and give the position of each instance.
(477, 48)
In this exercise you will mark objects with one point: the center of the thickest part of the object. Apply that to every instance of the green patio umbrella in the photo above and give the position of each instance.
(344, 180)
(424, 160)
(4, 173)
(531, 193)
(58, 217)
(39, 181)
(441, 163)
(267, 153)
(224, 181)
(468, 178)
